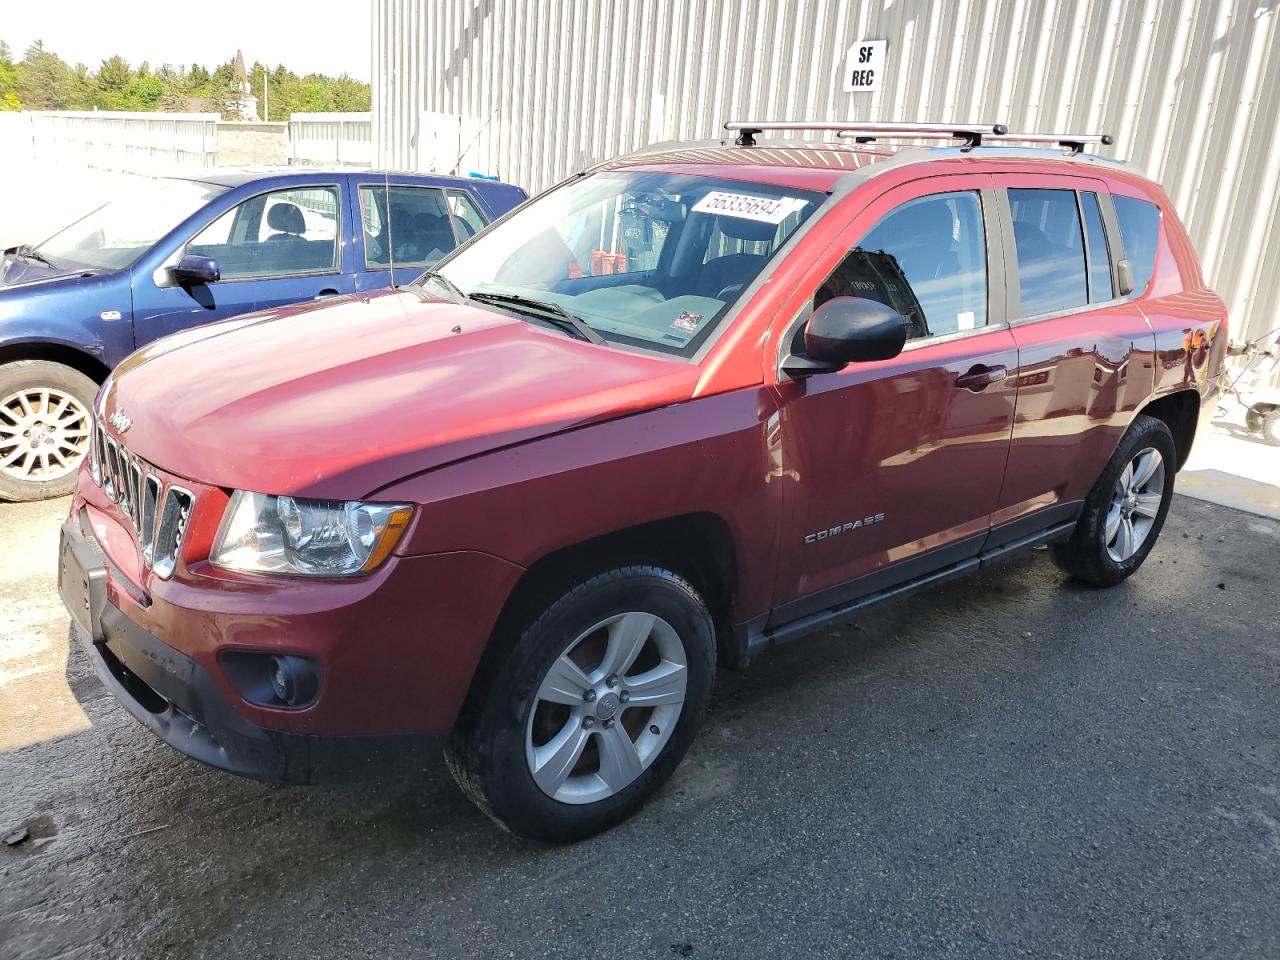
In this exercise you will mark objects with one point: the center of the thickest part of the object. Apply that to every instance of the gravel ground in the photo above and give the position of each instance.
(1011, 765)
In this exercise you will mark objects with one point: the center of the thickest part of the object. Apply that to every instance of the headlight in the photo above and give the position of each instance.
(318, 538)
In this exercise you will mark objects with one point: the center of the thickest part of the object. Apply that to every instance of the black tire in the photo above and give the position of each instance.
(37, 374)
(1253, 418)
(1085, 555)
(1271, 428)
(486, 753)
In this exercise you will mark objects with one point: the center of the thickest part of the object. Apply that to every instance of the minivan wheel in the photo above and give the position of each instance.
(1124, 512)
(593, 708)
(45, 428)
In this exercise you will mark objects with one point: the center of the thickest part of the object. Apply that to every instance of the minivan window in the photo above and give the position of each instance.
(927, 259)
(1099, 259)
(1050, 245)
(1140, 231)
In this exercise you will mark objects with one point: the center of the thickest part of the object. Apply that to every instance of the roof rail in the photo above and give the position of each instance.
(1072, 142)
(971, 133)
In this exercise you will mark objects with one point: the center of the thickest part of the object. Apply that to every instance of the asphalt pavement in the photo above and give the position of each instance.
(1012, 765)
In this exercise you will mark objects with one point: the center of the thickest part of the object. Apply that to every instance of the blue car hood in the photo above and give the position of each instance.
(15, 272)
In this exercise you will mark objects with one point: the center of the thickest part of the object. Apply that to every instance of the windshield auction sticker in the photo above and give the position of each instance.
(746, 207)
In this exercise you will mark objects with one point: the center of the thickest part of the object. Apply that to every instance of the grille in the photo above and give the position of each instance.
(157, 513)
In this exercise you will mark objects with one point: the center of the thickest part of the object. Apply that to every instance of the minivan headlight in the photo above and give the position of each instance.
(261, 533)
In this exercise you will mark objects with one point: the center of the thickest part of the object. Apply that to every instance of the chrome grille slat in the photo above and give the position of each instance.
(157, 513)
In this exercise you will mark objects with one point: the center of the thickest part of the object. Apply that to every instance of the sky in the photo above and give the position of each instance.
(315, 36)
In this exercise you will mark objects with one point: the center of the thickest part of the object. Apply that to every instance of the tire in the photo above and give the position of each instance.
(1093, 553)
(54, 404)
(1271, 428)
(1253, 418)
(517, 716)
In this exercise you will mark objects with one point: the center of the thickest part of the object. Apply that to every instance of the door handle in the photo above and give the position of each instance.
(980, 376)
(327, 292)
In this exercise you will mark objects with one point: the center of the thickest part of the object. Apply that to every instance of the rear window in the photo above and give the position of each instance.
(1140, 230)
(1050, 245)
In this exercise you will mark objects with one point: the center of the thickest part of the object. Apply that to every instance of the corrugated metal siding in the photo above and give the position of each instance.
(1190, 89)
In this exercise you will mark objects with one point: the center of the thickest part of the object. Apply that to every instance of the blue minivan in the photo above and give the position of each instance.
(173, 252)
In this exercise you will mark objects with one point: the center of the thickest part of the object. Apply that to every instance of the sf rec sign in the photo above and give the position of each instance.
(864, 66)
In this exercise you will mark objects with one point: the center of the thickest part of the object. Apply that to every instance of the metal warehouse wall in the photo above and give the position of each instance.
(1191, 90)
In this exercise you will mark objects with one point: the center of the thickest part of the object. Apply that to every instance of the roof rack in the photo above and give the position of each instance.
(1073, 143)
(865, 132)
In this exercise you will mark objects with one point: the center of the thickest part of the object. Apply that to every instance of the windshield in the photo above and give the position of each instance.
(120, 231)
(649, 259)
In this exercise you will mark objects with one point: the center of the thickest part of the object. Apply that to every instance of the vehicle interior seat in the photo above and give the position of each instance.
(724, 276)
(287, 221)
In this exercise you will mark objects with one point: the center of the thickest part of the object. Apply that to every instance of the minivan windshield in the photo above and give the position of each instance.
(117, 233)
(648, 259)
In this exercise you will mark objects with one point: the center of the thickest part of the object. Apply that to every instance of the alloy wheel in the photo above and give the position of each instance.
(44, 434)
(606, 708)
(1135, 504)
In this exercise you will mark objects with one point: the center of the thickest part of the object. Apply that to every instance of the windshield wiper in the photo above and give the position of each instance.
(444, 281)
(27, 252)
(551, 312)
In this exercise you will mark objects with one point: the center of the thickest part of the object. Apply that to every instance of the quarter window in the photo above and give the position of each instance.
(467, 217)
(278, 234)
(1099, 259)
(1050, 245)
(419, 231)
(1140, 230)
(927, 259)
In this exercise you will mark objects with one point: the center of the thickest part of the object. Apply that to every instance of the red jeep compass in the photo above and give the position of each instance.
(681, 406)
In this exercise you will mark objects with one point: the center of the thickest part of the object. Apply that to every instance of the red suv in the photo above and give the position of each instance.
(680, 407)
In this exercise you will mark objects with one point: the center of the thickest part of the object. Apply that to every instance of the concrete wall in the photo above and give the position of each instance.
(252, 144)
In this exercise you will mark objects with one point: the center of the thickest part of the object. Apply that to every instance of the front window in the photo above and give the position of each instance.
(278, 234)
(649, 259)
(120, 231)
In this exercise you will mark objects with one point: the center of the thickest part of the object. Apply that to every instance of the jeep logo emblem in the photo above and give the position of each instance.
(121, 421)
(607, 706)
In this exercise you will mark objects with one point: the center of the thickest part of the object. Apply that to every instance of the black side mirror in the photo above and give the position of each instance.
(848, 330)
(193, 268)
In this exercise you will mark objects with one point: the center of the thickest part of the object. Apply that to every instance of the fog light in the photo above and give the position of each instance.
(282, 682)
(273, 679)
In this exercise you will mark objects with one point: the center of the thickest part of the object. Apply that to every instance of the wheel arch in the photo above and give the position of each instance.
(1179, 411)
(55, 352)
(698, 546)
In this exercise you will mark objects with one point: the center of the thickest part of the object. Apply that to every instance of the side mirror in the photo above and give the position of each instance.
(193, 268)
(848, 330)
(1124, 277)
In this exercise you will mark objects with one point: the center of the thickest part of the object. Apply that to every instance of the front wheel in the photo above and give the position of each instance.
(45, 428)
(1271, 427)
(1123, 514)
(593, 708)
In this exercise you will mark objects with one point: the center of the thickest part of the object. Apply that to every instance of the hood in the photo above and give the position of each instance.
(336, 401)
(15, 271)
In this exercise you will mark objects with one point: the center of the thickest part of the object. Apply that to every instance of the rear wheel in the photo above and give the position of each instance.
(593, 708)
(45, 426)
(1125, 511)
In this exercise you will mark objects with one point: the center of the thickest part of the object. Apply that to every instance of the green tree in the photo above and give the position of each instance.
(9, 99)
(45, 81)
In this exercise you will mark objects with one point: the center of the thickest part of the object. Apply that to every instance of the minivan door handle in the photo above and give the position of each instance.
(980, 376)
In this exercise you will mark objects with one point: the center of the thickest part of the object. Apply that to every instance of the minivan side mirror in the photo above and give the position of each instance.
(847, 330)
(193, 268)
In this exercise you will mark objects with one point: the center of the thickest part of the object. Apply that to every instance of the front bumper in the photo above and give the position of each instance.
(176, 698)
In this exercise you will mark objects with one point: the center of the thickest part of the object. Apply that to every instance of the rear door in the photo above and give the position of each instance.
(895, 466)
(273, 247)
(408, 225)
(1086, 352)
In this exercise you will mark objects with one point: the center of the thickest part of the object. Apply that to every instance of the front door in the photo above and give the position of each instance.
(273, 248)
(895, 466)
